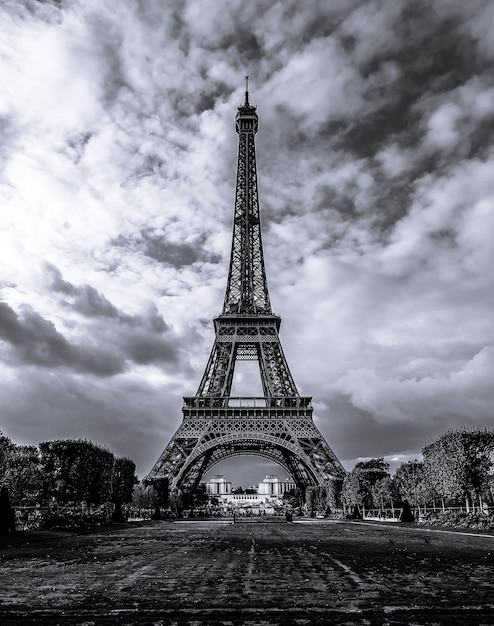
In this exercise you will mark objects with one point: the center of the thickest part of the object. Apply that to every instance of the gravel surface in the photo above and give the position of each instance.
(216, 572)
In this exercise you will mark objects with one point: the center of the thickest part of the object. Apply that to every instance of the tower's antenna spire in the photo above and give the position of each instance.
(246, 91)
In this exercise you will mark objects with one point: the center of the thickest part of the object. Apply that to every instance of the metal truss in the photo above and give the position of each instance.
(199, 444)
(247, 289)
(279, 425)
(247, 338)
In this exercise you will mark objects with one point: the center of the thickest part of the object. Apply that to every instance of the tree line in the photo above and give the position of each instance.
(65, 471)
(456, 469)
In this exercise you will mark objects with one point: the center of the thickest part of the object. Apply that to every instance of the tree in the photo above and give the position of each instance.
(457, 464)
(6, 448)
(161, 487)
(20, 471)
(382, 492)
(316, 499)
(370, 473)
(294, 498)
(359, 485)
(411, 484)
(350, 494)
(124, 479)
(77, 471)
(23, 475)
(144, 496)
(334, 488)
(200, 497)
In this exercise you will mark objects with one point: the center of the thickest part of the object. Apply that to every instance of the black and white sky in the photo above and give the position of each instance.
(117, 173)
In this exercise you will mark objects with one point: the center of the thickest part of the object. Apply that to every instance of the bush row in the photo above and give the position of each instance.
(455, 519)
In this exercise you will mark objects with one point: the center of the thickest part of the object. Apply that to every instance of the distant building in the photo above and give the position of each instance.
(274, 486)
(267, 494)
(218, 486)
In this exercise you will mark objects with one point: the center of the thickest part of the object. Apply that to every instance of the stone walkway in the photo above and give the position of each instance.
(200, 572)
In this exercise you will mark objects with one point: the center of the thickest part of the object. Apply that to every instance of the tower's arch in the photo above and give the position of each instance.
(285, 453)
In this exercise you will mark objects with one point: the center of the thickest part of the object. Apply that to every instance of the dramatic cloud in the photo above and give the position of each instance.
(117, 161)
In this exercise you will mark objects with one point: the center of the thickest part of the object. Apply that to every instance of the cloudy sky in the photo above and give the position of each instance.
(117, 173)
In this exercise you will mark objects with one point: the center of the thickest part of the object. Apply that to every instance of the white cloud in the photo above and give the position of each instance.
(318, 84)
(462, 395)
(394, 161)
(442, 130)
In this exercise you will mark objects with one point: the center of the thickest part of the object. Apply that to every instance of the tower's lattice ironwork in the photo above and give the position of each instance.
(278, 425)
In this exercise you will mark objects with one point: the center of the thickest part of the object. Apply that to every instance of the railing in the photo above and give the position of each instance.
(389, 515)
(256, 316)
(283, 402)
(393, 514)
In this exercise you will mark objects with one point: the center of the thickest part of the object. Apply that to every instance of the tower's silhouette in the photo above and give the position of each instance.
(277, 425)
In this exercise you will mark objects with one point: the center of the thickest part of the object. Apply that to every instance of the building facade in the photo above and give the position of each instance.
(269, 492)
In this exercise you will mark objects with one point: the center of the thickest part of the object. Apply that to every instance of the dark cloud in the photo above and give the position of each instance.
(44, 10)
(145, 348)
(34, 340)
(76, 145)
(157, 247)
(141, 339)
(8, 136)
(349, 428)
(40, 408)
(171, 253)
(91, 303)
(86, 299)
(107, 36)
(57, 283)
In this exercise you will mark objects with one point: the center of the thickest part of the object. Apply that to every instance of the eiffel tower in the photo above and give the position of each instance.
(278, 425)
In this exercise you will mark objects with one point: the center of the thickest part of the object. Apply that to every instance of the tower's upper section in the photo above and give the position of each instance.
(246, 120)
(247, 289)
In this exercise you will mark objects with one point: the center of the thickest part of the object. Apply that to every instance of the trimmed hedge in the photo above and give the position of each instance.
(124, 479)
(77, 470)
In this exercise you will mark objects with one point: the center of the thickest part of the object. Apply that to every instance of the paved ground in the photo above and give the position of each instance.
(202, 573)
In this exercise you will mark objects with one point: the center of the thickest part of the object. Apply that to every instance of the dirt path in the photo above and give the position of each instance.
(257, 574)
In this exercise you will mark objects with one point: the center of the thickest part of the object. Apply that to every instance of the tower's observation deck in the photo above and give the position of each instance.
(262, 406)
